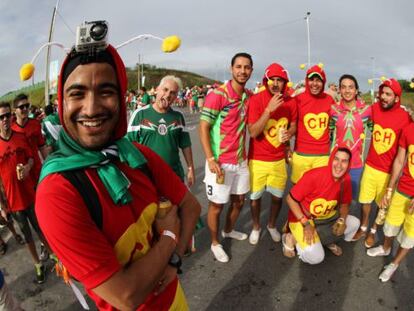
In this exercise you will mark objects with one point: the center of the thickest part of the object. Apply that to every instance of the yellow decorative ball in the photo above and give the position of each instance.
(412, 85)
(26, 71)
(170, 44)
(270, 82)
(320, 65)
(362, 136)
(383, 78)
(370, 81)
(290, 84)
(302, 66)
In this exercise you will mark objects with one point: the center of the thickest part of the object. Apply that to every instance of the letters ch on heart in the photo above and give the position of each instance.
(383, 139)
(316, 124)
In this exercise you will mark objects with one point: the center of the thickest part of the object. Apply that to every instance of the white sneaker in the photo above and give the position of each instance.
(378, 251)
(219, 253)
(237, 235)
(254, 236)
(388, 271)
(274, 234)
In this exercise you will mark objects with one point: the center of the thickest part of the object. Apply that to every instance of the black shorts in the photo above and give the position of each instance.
(23, 218)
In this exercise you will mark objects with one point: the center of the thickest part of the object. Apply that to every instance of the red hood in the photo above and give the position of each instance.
(321, 72)
(395, 86)
(332, 156)
(275, 70)
(121, 128)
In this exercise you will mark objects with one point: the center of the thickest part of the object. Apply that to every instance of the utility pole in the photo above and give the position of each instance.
(52, 24)
(138, 73)
(307, 17)
(373, 81)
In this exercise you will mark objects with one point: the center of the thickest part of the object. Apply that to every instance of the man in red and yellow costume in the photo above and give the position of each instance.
(119, 261)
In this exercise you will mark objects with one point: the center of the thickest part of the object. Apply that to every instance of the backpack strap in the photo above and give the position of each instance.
(88, 193)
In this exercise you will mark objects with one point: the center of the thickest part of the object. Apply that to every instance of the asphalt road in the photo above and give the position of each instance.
(256, 278)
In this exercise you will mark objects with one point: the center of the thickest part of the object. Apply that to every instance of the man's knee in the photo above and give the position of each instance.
(313, 254)
(215, 208)
(237, 200)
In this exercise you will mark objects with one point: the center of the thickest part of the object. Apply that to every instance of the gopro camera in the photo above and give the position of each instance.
(92, 36)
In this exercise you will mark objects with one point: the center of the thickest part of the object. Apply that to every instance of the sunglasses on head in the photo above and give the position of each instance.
(25, 106)
(6, 115)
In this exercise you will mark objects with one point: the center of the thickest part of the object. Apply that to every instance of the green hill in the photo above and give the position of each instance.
(407, 99)
(152, 77)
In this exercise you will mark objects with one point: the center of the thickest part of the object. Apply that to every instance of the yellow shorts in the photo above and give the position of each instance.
(269, 176)
(303, 163)
(296, 229)
(398, 215)
(373, 185)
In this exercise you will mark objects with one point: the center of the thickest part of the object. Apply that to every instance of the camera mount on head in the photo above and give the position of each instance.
(91, 37)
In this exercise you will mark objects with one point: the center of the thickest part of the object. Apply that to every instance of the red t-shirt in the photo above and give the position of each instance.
(312, 136)
(318, 193)
(92, 255)
(266, 146)
(406, 183)
(33, 132)
(388, 125)
(19, 193)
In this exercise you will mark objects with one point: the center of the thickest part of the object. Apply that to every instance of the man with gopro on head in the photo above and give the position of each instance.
(135, 255)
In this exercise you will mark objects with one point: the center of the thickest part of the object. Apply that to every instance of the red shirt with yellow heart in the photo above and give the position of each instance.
(406, 183)
(266, 146)
(318, 193)
(388, 125)
(313, 123)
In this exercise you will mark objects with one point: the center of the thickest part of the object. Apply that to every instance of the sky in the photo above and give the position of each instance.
(366, 38)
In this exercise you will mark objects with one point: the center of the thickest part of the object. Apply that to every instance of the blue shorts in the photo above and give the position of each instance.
(355, 180)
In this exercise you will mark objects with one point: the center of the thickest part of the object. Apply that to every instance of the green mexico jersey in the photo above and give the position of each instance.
(164, 133)
(50, 129)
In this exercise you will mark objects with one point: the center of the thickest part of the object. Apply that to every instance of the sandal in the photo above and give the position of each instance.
(3, 248)
(288, 246)
(19, 239)
(335, 249)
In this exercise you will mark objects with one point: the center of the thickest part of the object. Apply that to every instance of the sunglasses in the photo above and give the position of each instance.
(7, 115)
(25, 106)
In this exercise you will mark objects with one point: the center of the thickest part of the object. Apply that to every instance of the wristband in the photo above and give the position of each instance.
(341, 220)
(211, 159)
(171, 235)
(389, 189)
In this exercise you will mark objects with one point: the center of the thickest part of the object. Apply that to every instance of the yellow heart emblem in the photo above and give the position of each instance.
(323, 209)
(272, 129)
(316, 124)
(410, 160)
(383, 139)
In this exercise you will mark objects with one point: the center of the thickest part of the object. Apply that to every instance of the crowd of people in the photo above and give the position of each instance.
(103, 167)
(328, 165)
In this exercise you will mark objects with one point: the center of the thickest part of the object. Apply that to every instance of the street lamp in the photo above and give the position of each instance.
(371, 81)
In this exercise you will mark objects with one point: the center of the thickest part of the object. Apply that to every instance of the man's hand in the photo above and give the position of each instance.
(169, 275)
(190, 177)
(288, 155)
(309, 234)
(25, 171)
(214, 167)
(275, 102)
(386, 200)
(284, 136)
(170, 222)
(411, 207)
(339, 227)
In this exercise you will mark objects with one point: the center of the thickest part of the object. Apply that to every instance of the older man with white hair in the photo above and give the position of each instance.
(163, 129)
